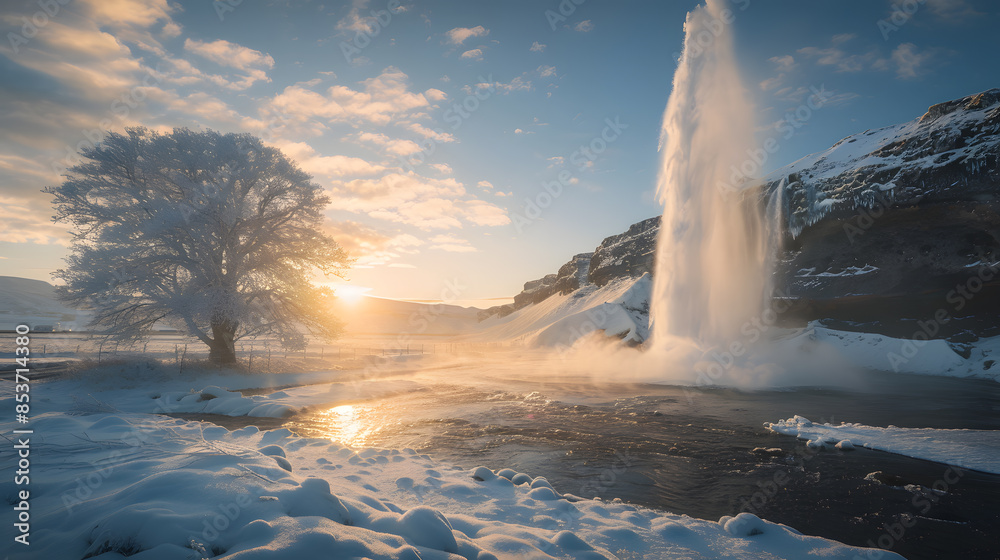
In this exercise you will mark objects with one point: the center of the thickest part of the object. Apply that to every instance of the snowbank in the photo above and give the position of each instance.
(971, 449)
(147, 487)
(924, 357)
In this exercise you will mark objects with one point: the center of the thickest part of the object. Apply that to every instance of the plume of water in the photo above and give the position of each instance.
(711, 261)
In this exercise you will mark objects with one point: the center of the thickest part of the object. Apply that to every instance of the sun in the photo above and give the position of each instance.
(349, 293)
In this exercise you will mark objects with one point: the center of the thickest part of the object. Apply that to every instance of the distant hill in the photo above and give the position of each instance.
(379, 316)
(34, 302)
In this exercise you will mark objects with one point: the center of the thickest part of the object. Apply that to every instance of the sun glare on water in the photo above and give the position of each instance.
(344, 425)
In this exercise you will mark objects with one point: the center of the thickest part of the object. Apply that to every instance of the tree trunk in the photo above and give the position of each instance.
(222, 349)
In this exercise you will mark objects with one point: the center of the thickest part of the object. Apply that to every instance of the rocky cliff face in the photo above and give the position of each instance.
(949, 154)
(892, 227)
(570, 277)
(628, 254)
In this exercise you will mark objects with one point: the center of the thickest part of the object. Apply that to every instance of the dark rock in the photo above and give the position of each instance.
(628, 254)
(885, 234)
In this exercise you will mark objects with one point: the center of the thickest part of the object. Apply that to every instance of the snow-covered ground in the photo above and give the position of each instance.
(916, 356)
(110, 481)
(971, 449)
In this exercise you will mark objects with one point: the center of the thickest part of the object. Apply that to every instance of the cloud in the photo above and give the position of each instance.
(141, 13)
(909, 62)
(411, 199)
(25, 221)
(520, 83)
(379, 101)
(328, 166)
(841, 60)
(392, 146)
(452, 244)
(198, 104)
(182, 72)
(485, 185)
(224, 53)
(584, 26)
(370, 246)
(359, 23)
(952, 11)
(482, 213)
(458, 35)
(537, 47)
(784, 63)
(474, 54)
(436, 135)
(906, 59)
(171, 29)
(546, 71)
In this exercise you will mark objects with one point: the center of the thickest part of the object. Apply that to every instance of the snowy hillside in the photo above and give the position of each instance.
(619, 309)
(34, 302)
(952, 152)
(607, 290)
(379, 316)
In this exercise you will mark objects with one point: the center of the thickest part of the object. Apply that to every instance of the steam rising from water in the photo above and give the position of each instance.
(712, 252)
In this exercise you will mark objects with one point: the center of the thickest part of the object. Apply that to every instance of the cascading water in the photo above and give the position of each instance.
(712, 252)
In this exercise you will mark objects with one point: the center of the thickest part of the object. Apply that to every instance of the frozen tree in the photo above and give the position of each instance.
(215, 234)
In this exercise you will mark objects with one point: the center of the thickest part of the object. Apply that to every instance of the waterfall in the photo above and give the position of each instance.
(712, 253)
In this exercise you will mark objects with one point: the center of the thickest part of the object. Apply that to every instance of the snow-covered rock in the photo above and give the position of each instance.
(948, 154)
(890, 225)
(970, 449)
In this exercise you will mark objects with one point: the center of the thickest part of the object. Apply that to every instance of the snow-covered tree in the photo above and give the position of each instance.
(215, 234)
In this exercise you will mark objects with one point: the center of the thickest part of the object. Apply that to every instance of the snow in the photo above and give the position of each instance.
(915, 355)
(23, 300)
(841, 176)
(970, 449)
(619, 308)
(115, 483)
(849, 271)
(105, 386)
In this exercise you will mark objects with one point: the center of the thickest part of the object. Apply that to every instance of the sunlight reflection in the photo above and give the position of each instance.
(346, 424)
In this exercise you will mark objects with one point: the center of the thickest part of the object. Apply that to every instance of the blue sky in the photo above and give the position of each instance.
(445, 118)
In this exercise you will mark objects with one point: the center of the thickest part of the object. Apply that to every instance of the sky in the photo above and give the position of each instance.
(467, 147)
